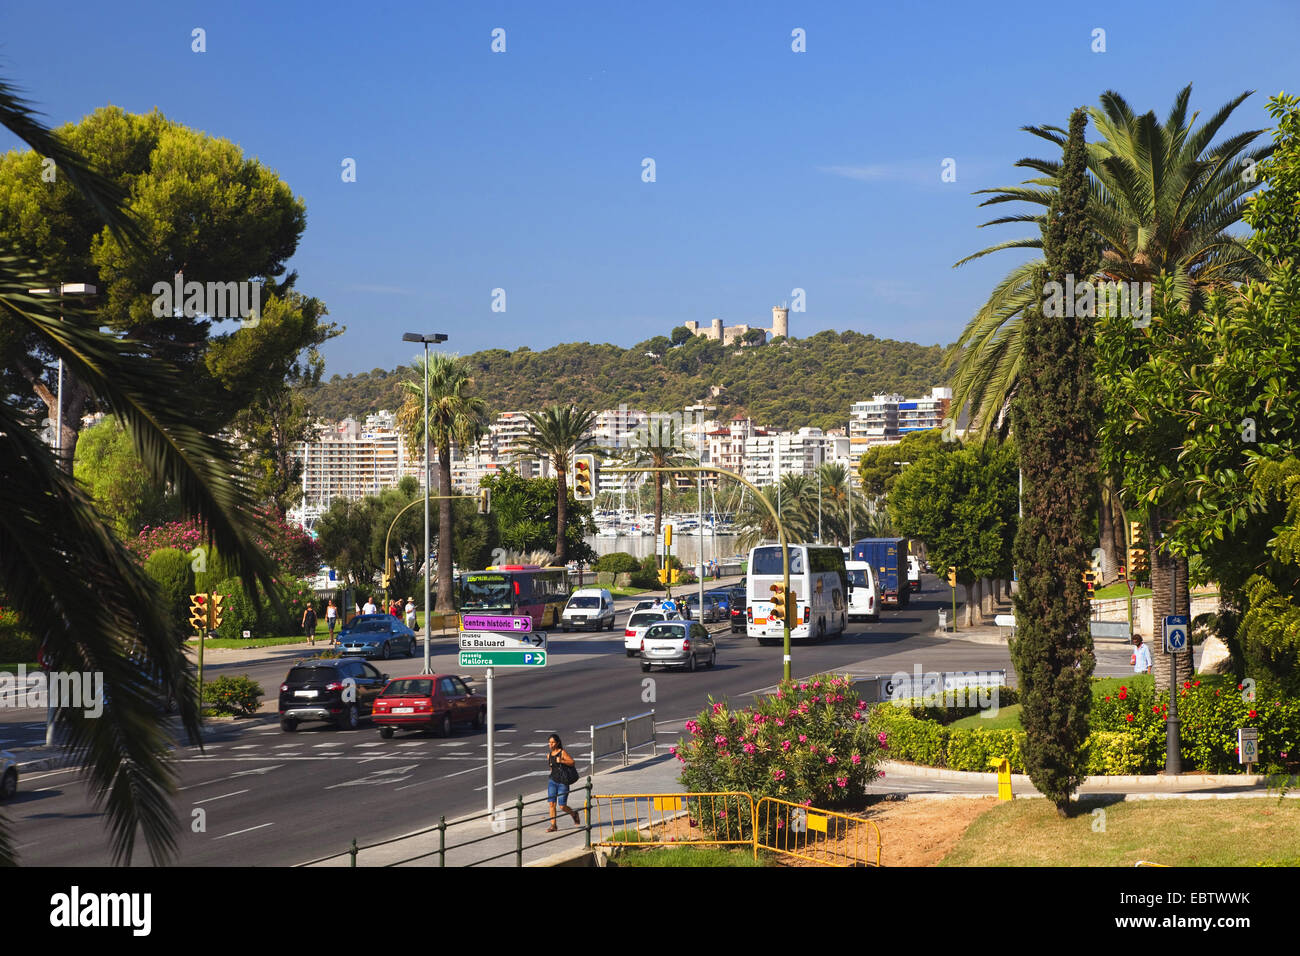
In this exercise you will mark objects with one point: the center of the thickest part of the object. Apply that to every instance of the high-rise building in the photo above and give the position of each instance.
(887, 418)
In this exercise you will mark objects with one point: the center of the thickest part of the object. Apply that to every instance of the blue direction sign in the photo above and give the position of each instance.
(495, 622)
(1177, 628)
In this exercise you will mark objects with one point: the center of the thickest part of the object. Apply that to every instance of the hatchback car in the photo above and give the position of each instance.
(377, 635)
(677, 644)
(8, 775)
(428, 702)
(712, 609)
(638, 624)
(340, 690)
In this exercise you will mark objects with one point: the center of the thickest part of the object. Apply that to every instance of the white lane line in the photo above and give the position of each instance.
(535, 745)
(246, 747)
(333, 743)
(233, 793)
(373, 743)
(249, 830)
(37, 776)
(458, 743)
(522, 776)
(285, 746)
(416, 743)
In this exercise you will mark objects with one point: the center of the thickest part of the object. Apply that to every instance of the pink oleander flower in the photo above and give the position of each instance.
(882, 773)
(805, 687)
(717, 708)
(830, 759)
(882, 737)
(858, 715)
(780, 722)
(785, 746)
(803, 738)
(814, 699)
(842, 781)
(720, 740)
(778, 774)
(812, 749)
(856, 759)
(749, 749)
(816, 684)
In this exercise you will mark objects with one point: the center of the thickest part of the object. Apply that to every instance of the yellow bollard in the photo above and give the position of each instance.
(1003, 766)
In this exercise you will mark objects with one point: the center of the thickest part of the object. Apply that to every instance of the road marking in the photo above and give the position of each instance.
(233, 793)
(378, 777)
(286, 746)
(38, 776)
(459, 743)
(373, 743)
(416, 743)
(242, 773)
(334, 743)
(246, 747)
(534, 773)
(249, 830)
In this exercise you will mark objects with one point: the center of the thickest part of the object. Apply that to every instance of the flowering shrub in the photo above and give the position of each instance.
(785, 746)
(1211, 708)
(289, 547)
(233, 695)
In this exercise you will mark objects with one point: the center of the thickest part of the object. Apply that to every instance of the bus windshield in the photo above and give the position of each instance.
(486, 592)
(768, 561)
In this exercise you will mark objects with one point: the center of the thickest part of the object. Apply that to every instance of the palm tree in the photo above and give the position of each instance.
(455, 415)
(1162, 201)
(559, 433)
(63, 572)
(657, 444)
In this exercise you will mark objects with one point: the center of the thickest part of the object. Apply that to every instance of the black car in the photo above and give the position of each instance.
(340, 690)
(733, 599)
(377, 635)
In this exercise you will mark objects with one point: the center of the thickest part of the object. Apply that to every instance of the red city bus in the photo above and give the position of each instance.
(516, 589)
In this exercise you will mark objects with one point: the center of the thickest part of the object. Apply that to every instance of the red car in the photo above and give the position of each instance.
(428, 702)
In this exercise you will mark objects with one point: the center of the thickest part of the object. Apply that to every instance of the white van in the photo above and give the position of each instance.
(914, 572)
(864, 601)
(589, 609)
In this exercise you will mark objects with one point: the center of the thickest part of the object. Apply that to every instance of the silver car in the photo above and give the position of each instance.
(8, 775)
(712, 609)
(638, 623)
(677, 644)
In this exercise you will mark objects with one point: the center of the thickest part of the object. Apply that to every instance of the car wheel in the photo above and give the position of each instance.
(386, 733)
(9, 784)
(288, 724)
(410, 648)
(387, 651)
(480, 720)
(690, 663)
(610, 626)
(565, 630)
(631, 653)
(713, 659)
(645, 667)
(444, 726)
(350, 719)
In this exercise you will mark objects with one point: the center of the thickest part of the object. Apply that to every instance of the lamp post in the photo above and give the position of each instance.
(428, 486)
(65, 288)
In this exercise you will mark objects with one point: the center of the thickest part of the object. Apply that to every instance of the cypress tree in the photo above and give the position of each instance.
(1055, 419)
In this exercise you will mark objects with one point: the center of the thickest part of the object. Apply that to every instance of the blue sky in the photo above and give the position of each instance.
(522, 170)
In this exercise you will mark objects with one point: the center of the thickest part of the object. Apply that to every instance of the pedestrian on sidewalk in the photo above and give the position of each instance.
(1141, 656)
(410, 613)
(564, 773)
(309, 623)
(331, 618)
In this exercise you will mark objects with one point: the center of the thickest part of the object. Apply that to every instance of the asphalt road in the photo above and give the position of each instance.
(256, 796)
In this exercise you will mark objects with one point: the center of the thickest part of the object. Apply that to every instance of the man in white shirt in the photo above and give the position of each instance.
(370, 607)
(1141, 656)
(410, 613)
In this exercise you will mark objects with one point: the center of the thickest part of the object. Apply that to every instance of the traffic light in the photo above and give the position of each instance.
(1137, 552)
(215, 605)
(1123, 573)
(668, 536)
(485, 501)
(1090, 581)
(778, 603)
(199, 612)
(952, 576)
(584, 477)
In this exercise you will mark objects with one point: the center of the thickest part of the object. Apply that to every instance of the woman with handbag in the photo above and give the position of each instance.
(564, 773)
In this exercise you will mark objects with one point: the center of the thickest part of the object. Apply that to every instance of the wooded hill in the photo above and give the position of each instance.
(786, 383)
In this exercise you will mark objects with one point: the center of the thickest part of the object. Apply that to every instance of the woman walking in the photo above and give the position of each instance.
(331, 618)
(564, 773)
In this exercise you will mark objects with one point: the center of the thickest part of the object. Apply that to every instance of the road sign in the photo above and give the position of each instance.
(1176, 628)
(511, 658)
(494, 640)
(1247, 745)
(1131, 585)
(495, 622)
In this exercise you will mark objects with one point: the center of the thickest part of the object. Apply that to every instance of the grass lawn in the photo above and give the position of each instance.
(626, 592)
(1008, 718)
(1109, 686)
(241, 642)
(1250, 832)
(689, 856)
(1120, 590)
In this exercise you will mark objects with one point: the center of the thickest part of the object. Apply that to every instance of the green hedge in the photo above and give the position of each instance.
(170, 571)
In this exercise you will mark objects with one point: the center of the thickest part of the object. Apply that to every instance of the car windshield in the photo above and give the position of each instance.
(414, 687)
(585, 602)
(645, 618)
(367, 627)
(858, 578)
(666, 632)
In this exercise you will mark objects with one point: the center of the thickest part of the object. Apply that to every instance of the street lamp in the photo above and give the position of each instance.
(428, 486)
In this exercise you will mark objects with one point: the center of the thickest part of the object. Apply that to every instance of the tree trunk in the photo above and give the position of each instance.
(659, 500)
(561, 518)
(1111, 527)
(1169, 596)
(970, 607)
(445, 531)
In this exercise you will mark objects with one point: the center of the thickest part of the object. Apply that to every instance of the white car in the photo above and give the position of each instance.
(588, 609)
(8, 775)
(638, 623)
(913, 572)
(864, 600)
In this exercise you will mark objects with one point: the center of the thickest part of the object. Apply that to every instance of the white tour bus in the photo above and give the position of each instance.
(820, 586)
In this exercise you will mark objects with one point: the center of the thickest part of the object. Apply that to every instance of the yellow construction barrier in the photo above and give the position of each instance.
(819, 836)
(698, 819)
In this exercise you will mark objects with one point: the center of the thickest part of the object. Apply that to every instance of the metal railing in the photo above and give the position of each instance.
(819, 836)
(623, 736)
(503, 822)
(702, 819)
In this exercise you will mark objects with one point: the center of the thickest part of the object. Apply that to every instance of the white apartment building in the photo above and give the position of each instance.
(887, 418)
(349, 462)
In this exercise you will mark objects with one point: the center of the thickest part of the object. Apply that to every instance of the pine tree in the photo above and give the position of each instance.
(1055, 421)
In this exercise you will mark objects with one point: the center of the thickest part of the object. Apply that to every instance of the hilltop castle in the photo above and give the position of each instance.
(735, 334)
